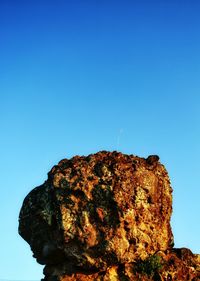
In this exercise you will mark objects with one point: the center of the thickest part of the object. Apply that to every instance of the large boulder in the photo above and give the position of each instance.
(96, 213)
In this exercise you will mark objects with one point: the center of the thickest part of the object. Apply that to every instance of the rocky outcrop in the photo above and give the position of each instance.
(105, 217)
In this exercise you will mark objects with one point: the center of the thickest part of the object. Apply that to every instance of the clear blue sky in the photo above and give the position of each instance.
(77, 77)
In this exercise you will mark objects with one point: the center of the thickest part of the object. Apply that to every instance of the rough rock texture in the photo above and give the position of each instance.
(105, 217)
(176, 265)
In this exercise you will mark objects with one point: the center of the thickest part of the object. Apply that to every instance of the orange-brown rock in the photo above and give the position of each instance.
(177, 265)
(97, 216)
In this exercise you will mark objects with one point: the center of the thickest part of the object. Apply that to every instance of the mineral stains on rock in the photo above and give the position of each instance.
(98, 216)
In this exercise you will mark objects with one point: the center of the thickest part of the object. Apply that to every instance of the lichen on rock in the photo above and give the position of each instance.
(97, 216)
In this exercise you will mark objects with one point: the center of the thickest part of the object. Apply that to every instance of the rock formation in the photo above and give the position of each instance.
(105, 217)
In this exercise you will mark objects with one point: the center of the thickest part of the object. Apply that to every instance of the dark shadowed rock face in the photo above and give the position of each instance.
(98, 216)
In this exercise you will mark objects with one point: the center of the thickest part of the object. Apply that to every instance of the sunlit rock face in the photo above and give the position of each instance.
(96, 216)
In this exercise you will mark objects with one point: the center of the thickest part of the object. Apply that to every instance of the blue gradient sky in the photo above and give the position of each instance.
(81, 76)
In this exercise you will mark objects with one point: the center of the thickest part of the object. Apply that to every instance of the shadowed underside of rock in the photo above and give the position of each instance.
(97, 216)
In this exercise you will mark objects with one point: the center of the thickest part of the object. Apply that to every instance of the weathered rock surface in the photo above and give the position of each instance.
(176, 265)
(98, 217)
